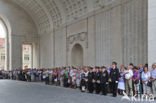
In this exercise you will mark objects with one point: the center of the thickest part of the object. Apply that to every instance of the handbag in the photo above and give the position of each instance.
(149, 83)
(136, 82)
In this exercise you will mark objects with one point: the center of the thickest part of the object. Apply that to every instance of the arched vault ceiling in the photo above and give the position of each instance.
(53, 13)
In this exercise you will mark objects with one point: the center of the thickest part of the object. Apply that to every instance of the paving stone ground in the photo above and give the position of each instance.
(25, 92)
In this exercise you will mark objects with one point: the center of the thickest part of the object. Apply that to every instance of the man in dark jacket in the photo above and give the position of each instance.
(104, 81)
(90, 81)
(98, 80)
(114, 78)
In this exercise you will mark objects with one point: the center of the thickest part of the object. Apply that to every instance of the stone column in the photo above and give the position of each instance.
(134, 29)
(103, 38)
(151, 32)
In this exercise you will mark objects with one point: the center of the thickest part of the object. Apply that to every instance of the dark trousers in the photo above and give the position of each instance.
(47, 80)
(104, 88)
(65, 82)
(114, 88)
(28, 78)
(90, 87)
(98, 88)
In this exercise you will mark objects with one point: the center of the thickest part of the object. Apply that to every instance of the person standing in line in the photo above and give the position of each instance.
(114, 78)
(56, 76)
(40, 75)
(141, 69)
(78, 78)
(66, 75)
(90, 81)
(83, 83)
(153, 78)
(86, 76)
(121, 84)
(32, 75)
(50, 76)
(104, 81)
(62, 77)
(136, 80)
(98, 80)
(47, 77)
(128, 80)
(73, 85)
(146, 79)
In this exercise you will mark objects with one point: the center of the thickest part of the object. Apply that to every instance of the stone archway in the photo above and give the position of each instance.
(77, 55)
(6, 26)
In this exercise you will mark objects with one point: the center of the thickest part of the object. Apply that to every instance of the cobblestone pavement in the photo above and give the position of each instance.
(25, 92)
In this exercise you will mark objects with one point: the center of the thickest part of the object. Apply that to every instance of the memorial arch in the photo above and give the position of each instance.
(103, 28)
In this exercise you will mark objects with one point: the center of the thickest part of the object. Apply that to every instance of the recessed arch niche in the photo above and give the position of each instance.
(77, 55)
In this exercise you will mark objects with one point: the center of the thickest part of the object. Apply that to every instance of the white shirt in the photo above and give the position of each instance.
(145, 76)
(129, 74)
(86, 74)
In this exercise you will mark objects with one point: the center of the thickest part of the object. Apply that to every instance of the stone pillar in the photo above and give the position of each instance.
(103, 38)
(134, 30)
(117, 41)
(151, 32)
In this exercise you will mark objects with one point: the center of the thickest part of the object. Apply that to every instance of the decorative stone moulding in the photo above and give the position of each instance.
(81, 38)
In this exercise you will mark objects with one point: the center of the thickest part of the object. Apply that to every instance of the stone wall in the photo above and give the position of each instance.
(134, 31)
(60, 47)
(115, 33)
(151, 32)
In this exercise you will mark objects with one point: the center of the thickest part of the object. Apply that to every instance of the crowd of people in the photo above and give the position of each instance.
(131, 79)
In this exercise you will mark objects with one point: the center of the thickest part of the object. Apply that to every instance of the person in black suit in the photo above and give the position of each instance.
(114, 78)
(90, 81)
(94, 78)
(104, 81)
(98, 80)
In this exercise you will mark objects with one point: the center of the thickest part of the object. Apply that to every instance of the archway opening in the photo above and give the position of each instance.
(3, 53)
(77, 55)
(27, 56)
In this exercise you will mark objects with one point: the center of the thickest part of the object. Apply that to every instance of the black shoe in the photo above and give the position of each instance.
(104, 94)
(114, 95)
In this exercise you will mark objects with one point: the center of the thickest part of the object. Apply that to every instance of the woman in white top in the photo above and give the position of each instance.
(145, 79)
(121, 84)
